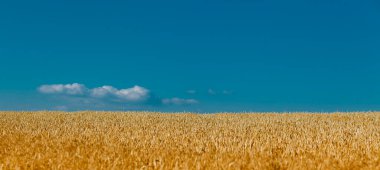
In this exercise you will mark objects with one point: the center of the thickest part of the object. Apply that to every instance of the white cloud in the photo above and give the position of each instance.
(179, 101)
(70, 89)
(133, 94)
(103, 91)
(78, 95)
(136, 93)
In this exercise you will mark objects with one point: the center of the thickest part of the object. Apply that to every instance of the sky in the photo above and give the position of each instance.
(200, 56)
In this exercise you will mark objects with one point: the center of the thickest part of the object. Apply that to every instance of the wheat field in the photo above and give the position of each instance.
(148, 140)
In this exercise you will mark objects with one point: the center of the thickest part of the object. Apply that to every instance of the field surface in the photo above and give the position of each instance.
(147, 140)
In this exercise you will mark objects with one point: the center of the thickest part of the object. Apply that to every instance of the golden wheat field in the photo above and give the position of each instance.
(148, 140)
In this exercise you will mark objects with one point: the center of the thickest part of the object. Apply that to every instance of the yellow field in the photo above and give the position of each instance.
(137, 140)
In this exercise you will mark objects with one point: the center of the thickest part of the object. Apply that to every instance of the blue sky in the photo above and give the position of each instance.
(205, 56)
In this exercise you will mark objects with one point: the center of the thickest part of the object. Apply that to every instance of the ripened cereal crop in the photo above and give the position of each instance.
(148, 140)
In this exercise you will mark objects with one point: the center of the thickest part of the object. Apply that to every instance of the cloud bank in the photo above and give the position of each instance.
(133, 94)
(106, 93)
(70, 89)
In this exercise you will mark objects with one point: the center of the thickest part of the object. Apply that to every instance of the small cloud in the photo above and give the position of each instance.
(135, 93)
(191, 91)
(70, 89)
(179, 101)
(211, 91)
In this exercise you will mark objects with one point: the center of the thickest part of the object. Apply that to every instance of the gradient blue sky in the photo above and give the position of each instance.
(231, 55)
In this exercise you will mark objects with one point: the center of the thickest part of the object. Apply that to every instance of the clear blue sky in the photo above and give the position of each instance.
(207, 56)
